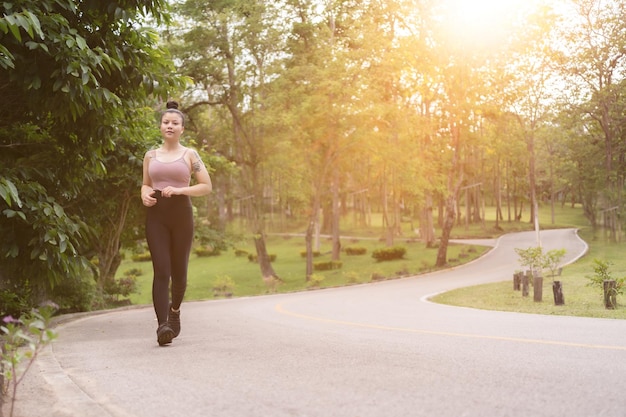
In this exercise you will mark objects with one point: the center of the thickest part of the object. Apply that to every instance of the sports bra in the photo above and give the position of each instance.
(175, 173)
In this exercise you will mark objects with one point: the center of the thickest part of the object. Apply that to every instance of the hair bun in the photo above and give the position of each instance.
(172, 105)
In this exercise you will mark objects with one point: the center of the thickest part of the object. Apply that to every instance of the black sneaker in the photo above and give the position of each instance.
(174, 321)
(165, 334)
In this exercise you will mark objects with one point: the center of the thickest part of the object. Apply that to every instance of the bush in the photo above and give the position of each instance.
(315, 280)
(14, 301)
(205, 251)
(240, 253)
(121, 287)
(316, 253)
(355, 250)
(223, 286)
(211, 238)
(602, 273)
(352, 277)
(389, 254)
(141, 257)
(75, 293)
(327, 266)
(377, 276)
(254, 258)
(134, 272)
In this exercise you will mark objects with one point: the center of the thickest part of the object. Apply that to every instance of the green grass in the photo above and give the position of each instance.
(290, 267)
(580, 299)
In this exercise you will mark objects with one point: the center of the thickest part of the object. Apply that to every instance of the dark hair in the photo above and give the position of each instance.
(172, 107)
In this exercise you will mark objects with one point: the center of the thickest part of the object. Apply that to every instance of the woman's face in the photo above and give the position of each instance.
(171, 125)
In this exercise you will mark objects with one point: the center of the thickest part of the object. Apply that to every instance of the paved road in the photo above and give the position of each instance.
(369, 350)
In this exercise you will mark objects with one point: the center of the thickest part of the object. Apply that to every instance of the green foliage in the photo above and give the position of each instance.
(123, 286)
(22, 340)
(601, 274)
(206, 251)
(351, 277)
(315, 253)
(389, 254)
(355, 250)
(211, 238)
(141, 257)
(13, 299)
(77, 79)
(327, 266)
(253, 257)
(535, 259)
(223, 286)
(552, 260)
(75, 293)
(315, 280)
(531, 257)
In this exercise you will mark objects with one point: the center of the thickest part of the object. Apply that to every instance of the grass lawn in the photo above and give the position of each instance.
(580, 299)
(205, 272)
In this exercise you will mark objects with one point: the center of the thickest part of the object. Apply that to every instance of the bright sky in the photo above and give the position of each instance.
(483, 21)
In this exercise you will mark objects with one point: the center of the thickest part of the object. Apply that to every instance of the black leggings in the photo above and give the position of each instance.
(169, 232)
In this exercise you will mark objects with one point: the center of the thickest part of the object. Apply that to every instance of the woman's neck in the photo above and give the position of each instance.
(171, 147)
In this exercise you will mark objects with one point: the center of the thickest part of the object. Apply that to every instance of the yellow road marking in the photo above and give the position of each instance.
(280, 309)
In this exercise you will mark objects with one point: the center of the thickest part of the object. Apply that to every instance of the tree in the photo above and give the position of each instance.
(593, 61)
(71, 73)
(230, 49)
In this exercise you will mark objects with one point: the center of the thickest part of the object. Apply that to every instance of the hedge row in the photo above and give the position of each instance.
(389, 254)
(355, 250)
(327, 266)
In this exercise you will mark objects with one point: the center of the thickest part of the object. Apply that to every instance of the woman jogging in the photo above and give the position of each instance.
(166, 193)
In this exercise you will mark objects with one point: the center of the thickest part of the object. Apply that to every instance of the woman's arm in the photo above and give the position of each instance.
(146, 187)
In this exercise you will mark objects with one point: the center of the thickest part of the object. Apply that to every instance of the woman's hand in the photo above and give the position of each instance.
(147, 198)
(170, 191)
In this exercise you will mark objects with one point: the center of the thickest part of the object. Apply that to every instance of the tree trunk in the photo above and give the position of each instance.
(267, 271)
(427, 228)
(308, 241)
(610, 294)
(455, 179)
(108, 245)
(336, 251)
(537, 288)
(448, 223)
(557, 290)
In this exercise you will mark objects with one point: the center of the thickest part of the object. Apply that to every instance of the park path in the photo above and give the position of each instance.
(375, 350)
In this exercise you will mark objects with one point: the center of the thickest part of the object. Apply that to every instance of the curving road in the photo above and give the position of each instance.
(368, 350)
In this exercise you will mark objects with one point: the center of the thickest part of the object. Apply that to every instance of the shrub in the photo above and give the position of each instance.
(316, 253)
(602, 274)
(389, 254)
(240, 253)
(22, 341)
(205, 251)
(352, 277)
(211, 238)
(134, 272)
(254, 258)
(141, 257)
(327, 266)
(356, 250)
(75, 293)
(14, 300)
(315, 280)
(224, 286)
(120, 287)
(377, 276)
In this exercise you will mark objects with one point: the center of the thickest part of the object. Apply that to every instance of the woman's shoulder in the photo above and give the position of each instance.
(191, 153)
(150, 153)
